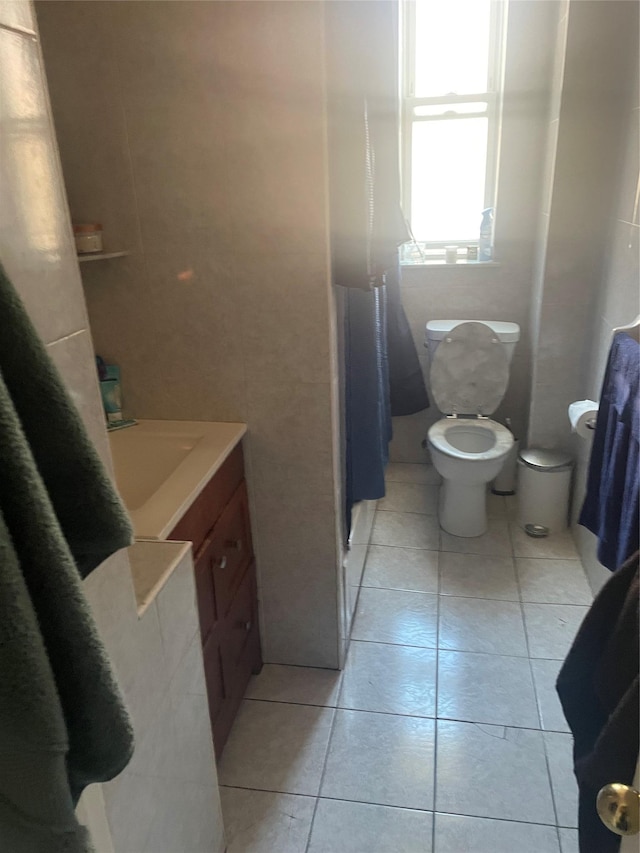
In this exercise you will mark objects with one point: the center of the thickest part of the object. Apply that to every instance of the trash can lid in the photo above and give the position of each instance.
(545, 460)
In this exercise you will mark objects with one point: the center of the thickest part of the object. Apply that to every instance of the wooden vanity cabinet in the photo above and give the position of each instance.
(225, 577)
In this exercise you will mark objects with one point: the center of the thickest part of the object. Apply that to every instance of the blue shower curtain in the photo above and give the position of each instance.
(382, 375)
(367, 409)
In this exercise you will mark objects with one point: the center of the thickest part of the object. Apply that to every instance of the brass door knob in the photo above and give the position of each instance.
(619, 808)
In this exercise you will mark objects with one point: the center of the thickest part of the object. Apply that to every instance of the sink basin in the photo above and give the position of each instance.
(162, 466)
(153, 458)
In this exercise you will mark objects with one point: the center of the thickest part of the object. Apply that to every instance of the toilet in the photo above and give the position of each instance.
(469, 373)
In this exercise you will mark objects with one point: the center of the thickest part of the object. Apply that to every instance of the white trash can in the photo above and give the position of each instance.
(544, 484)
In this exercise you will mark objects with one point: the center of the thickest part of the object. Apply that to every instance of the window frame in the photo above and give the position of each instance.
(493, 112)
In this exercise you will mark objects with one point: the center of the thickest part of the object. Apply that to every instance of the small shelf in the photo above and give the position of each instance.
(100, 256)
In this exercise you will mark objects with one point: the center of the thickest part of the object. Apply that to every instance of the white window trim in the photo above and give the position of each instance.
(492, 97)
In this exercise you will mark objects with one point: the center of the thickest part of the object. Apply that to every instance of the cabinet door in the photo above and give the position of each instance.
(239, 626)
(204, 566)
(195, 526)
(214, 677)
(232, 550)
(239, 652)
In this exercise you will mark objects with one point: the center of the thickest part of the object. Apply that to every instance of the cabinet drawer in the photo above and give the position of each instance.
(240, 625)
(200, 517)
(213, 673)
(203, 570)
(231, 550)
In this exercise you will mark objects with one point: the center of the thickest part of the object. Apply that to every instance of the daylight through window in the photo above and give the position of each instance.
(451, 71)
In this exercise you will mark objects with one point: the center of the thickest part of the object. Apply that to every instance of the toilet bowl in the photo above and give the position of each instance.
(468, 454)
(469, 375)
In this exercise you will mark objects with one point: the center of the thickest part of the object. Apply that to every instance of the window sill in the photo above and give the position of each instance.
(443, 265)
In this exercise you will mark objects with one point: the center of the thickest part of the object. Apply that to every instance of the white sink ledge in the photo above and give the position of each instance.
(162, 466)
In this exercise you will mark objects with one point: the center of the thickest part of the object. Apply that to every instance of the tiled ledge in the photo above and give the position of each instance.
(152, 564)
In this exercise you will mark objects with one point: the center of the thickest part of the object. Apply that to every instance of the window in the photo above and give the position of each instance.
(451, 70)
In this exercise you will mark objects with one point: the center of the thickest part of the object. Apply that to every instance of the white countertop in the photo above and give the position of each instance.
(162, 466)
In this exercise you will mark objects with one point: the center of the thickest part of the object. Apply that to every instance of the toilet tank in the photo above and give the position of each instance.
(507, 333)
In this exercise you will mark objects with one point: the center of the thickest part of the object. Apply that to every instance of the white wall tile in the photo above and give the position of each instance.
(277, 194)
(91, 811)
(177, 614)
(34, 230)
(74, 358)
(621, 302)
(290, 437)
(181, 186)
(134, 645)
(283, 319)
(299, 577)
(129, 826)
(92, 148)
(40, 257)
(17, 13)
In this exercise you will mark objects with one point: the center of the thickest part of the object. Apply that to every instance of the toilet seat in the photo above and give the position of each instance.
(440, 433)
(469, 371)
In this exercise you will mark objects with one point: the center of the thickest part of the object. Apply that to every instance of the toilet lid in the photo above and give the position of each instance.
(469, 371)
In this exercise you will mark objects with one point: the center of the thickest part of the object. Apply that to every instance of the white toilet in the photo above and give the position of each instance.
(469, 374)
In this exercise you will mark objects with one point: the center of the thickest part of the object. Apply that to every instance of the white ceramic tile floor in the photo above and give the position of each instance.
(444, 733)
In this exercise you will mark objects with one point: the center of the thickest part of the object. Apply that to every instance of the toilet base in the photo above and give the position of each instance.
(463, 508)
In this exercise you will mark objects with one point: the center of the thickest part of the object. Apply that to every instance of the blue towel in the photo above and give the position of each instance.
(611, 505)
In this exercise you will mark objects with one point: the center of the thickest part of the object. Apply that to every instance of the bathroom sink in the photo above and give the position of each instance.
(153, 457)
(162, 466)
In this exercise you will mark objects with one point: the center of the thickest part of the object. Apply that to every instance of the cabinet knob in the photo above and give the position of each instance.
(236, 544)
(221, 562)
(246, 626)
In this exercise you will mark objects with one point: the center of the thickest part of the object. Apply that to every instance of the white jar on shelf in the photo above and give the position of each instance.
(88, 238)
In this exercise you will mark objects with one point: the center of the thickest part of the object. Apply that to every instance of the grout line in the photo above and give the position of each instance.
(419, 512)
(293, 665)
(267, 791)
(413, 716)
(535, 693)
(412, 591)
(322, 774)
(412, 646)
(476, 597)
(559, 839)
(436, 650)
(18, 30)
(404, 547)
(435, 725)
(400, 588)
(391, 806)
(66, 338)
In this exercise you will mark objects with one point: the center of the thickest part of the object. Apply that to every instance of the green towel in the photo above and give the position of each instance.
(63, 724)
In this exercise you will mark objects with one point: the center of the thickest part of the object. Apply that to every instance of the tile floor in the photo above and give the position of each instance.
(443, 734)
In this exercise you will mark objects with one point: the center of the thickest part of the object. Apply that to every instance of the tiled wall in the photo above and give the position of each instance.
(167, 798)
(195, 132)
(586, 279)
(37, 250)
(618, 299)
(500, 292)
(585, 129)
